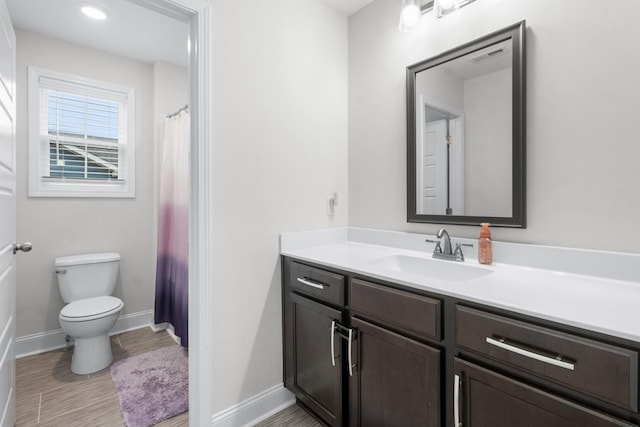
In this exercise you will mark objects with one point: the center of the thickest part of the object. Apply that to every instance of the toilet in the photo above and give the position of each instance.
(86, 283)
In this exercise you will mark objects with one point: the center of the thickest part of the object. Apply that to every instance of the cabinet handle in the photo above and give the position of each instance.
(333, 334)
(341, 330)
(349, 350)
(456, 401)
(307, 282)
(530, 354)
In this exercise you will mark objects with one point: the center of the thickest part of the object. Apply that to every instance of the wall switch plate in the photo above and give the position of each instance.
(332, 201)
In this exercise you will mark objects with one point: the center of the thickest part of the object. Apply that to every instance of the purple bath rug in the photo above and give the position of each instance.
(152, 386)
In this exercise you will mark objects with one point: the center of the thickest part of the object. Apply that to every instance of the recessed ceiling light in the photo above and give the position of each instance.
(94, 12)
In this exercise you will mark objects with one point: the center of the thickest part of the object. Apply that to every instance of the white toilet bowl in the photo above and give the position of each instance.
(88, 321)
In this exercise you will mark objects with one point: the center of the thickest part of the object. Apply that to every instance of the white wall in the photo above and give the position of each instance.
(582, 87)
(487, 149)
(280, 148)
(441, 89)
(63, 226)
(170, 93)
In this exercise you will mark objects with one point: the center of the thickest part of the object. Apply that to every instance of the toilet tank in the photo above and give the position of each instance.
(87, 275)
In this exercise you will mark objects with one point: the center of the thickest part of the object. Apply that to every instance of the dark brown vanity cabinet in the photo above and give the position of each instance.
(313, 301)
(361, 353)
(396, 381)
(352, 365)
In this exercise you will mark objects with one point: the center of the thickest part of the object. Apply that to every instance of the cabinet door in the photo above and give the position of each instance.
(396, 380)
(317, 377)
(487, 399)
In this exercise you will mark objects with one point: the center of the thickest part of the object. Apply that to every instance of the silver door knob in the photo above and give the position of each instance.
(24, 247)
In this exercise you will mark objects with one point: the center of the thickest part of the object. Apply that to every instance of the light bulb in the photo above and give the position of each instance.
(94, 12)
(410, 14)
(444, 7)
(446, 4)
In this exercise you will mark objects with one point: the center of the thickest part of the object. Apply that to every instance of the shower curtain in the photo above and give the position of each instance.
(172, 291)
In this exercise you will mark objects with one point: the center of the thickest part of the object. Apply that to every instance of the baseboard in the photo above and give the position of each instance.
(157, 327)
(51, 340)
(132, 321)
(255, 409)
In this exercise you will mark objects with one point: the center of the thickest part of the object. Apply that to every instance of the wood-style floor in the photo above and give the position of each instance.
(293, 416)
(49, 394)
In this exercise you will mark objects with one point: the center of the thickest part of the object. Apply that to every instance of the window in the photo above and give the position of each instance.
(81, 140)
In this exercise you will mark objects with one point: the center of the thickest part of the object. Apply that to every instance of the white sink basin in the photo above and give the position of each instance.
(432, 268)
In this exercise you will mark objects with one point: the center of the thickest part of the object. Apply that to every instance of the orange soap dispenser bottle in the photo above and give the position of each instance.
(485, 252)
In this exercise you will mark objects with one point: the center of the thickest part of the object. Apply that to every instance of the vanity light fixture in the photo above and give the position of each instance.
(412, 10)
(94, 12)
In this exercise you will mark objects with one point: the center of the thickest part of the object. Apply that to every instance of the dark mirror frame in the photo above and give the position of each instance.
(516, 33)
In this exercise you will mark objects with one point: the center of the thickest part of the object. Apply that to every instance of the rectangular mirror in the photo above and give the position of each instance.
(466, 133)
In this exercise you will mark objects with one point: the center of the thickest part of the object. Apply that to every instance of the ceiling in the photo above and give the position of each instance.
(131, 30)
(347, 7)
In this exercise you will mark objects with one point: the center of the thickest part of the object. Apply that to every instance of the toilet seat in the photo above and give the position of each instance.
(90, 309)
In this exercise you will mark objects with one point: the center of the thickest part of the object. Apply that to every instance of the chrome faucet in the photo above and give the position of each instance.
(442, 234)
(445, 252)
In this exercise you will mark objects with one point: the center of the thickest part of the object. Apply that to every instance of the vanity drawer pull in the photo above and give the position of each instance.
(308, 282)
(316, 282)
(500, 342)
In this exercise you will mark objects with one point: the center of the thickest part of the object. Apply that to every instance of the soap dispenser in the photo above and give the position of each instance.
(485, 252)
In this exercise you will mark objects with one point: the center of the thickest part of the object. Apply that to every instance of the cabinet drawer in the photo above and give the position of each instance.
(600, 370)
(405, 311)
(487, 398)
(318, 283)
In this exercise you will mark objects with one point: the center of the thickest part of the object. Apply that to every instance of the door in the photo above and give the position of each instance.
(432, 169)
(396, 381)
(317, 376)
(7, 218)
(485, 398)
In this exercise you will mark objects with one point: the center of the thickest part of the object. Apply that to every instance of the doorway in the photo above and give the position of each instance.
(197, 13)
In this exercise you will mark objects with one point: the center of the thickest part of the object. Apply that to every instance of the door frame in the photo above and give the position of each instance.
(199, 15)
(200, 215)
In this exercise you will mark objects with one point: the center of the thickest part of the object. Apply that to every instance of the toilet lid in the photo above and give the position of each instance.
(91, 307)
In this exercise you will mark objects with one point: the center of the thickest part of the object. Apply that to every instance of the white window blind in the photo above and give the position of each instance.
(83, 128)
(83, 134)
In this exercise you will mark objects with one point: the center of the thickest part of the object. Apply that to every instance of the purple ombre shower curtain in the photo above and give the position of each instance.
(172, 290)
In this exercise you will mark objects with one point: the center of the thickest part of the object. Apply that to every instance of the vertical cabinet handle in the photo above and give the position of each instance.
(349, 352)
(333, 334)
(456, 401)
(347, 334)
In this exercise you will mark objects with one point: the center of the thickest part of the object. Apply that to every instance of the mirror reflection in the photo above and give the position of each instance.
(464, 135)
(465, 129)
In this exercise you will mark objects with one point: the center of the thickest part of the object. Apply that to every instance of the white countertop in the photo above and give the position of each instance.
(605, 299)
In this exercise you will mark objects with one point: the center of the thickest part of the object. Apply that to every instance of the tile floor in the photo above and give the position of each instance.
(49, 394)
(293, 416)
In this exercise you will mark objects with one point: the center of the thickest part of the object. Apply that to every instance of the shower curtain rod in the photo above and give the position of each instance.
(186, 107)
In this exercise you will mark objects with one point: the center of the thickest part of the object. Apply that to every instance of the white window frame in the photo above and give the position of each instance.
(38, 153)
